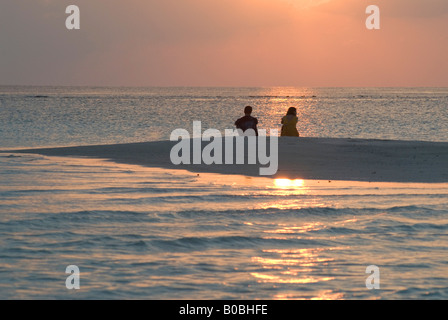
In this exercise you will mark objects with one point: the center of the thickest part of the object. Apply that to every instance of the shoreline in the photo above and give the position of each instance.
(346, 159)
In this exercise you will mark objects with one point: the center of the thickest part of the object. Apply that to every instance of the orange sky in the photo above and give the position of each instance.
(225, 43)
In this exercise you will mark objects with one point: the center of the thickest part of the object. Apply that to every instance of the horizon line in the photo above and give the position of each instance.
(216, 86)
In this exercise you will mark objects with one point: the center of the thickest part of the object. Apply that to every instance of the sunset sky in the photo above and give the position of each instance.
(224, 43)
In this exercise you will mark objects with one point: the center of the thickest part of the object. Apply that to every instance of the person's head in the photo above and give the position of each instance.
(292, 111)
(248, 110)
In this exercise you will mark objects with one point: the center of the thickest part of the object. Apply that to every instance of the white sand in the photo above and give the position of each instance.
(299, 158)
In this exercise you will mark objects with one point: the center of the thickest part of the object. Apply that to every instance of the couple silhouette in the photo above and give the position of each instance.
(289, 122)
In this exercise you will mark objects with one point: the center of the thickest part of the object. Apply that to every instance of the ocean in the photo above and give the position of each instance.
(150, 233)
(55, 116)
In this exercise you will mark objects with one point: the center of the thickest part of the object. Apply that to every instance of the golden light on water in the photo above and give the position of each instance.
(295, 266)
(278, 279)
(322, 295)
(288, 183)
(306, 227)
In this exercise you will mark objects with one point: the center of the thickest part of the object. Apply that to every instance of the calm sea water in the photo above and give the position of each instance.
(148, 233)
(54, 116)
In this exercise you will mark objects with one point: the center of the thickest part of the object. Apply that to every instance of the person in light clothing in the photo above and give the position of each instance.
(289, 123)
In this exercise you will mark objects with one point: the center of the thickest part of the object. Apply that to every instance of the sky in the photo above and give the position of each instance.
(306, 43)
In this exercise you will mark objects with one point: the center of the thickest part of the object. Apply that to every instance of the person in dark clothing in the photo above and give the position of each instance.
(247, 122)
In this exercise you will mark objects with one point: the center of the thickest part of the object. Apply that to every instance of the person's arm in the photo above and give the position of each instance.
(237, 123)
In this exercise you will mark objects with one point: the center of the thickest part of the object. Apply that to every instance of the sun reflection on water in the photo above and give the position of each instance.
(288, 183)
(322, 295)
(285, 229)
(295, 266)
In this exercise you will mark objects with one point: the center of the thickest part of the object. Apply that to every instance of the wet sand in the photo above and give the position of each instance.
(298, 158)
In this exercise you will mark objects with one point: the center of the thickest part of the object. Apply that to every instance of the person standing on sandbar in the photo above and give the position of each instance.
(247, 122)
(289, 123)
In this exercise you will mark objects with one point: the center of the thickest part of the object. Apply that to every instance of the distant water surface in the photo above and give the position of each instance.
(55, 116)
